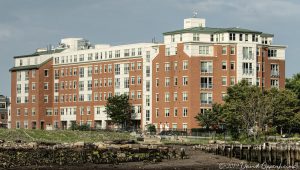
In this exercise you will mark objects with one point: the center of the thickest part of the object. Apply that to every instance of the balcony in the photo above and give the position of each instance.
(274, 73)
(248, 71)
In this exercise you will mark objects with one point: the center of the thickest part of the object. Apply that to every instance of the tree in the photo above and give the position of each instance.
(119, 109)
(210, 118)
(293, 84)
(242, 108)
(283, 108)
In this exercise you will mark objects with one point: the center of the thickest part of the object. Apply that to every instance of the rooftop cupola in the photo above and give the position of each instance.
(194, 22)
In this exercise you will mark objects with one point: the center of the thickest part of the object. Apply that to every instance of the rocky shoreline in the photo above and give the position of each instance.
(19, 154)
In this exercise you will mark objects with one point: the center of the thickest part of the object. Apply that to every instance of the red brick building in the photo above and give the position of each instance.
(168, 83)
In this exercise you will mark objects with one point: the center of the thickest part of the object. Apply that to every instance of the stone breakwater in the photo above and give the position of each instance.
(18, 154)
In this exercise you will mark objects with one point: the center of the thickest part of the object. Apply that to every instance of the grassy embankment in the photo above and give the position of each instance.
(61, 136)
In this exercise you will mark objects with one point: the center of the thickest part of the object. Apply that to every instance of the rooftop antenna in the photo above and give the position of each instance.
(195, 13)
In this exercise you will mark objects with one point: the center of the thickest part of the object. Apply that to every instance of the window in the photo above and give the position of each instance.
(81, 72)
(26, 75)
(272, 53)
(175, 112)
(274, 70)
(147, 115)
(246, 37)
(184, 112)
(132, 66)
(19, 87)
(126, 68)
(33, 99)
(18, 99)
(147, 71)
(175, 96)
(139, 51)
(18, 125)
(139, 65)
(132, 80)
(247, 68)
(167, 66)
(231, 36)
(212, 37)
(241, 37)
(19, 76)
(167, 96)
(257, 81)
(126, 82)
(139, 80)
(232, 50)
(175, 65)
(167, 81)
(46, 73)
(185, 96)
(157, 82)
(196, 37)
(204, 50)
(26, 99)
(206, 67)
(148, 85)
(224, 67)
(139, 94)
(175, 81)
(185, 81)
(184, 126)
(117, 69)
(156, 97)
(206, 82)
(46, 86)
(81, 85)
(126, 52)
(147, 100)
(148, 56)
(90, 85)
(232, 65)
(167, 112)
(45, 99)
(224, 81)
(18, 112)
(224, 50)
(274, 83)
(25, 112)
(232, 81)
(185, 65)
(90, 71)
(157, 112)
(247, 53)
(26, 88)
(157, 67)
(33, 73)
(172, 38)
(132, 52)
(33, 111)
(206, 98)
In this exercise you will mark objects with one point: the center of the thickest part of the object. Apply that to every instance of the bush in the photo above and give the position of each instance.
(83, 127)
(151, 128)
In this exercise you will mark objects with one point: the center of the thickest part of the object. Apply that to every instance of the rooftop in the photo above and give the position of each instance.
(210, 30)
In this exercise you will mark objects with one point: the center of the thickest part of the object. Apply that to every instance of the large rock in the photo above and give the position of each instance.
(78, 145)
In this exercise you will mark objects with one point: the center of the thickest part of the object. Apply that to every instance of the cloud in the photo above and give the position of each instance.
(244, 8)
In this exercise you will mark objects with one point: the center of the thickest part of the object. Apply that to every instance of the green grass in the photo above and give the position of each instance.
(61, 136)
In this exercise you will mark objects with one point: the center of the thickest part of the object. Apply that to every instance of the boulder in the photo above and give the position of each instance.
(78, 144)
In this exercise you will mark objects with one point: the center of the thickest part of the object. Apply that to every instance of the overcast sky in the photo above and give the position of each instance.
(29, 24)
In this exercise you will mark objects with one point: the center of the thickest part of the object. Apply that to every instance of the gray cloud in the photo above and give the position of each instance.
(28, 24)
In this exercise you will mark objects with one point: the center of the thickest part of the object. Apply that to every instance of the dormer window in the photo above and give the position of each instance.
(196, 37)
(231, 36)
